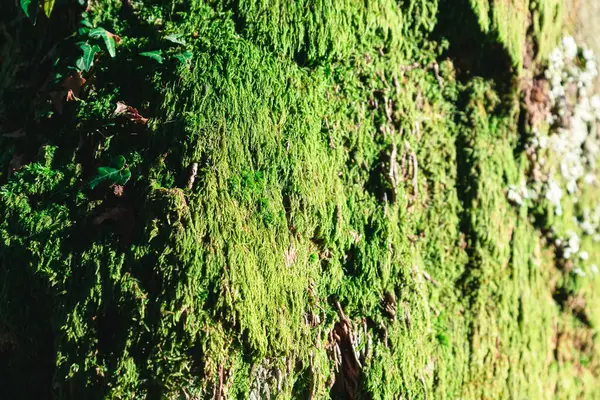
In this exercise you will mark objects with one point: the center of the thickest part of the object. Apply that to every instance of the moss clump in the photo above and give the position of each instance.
(510, 22)
(316, 207)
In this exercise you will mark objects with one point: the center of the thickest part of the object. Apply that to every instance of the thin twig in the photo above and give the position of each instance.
(220, 388)
(436, 71)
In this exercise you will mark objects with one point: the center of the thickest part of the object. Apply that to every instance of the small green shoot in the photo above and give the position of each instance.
(30, 8)
(156, 55)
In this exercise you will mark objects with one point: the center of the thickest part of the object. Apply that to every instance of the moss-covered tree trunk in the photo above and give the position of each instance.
(288, 199)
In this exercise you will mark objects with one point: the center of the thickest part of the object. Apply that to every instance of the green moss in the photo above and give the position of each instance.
(308, 154)
(510, 21)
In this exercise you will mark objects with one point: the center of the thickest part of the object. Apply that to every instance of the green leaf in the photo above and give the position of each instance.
(85, 62)
(84, 24)
(85, 21)
(124, 176)
(116, 174)
(174, 38)
(184, 58)
(104, 174)
(110, 175)
(118, 162)
(109, 41)
(30, 8)
(48, 6)
(155, 55)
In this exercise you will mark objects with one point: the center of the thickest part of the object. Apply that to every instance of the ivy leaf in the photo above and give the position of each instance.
(184, 58)
(48, 6)
(174, 38)
(85, 62)
(84, 24)
(118, 162)
(110, 39)
(85, 21)
(30, 8)
(155, 55)
(110, 175)
(130, 113)
(116, 174)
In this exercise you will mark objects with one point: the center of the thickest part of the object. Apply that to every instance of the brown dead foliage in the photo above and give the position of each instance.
(130, 113)
(348, 366)
(389, 305)
(537, 101)
(576, 345)
(71, 89)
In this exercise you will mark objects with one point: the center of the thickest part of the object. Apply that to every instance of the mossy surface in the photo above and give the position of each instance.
(313, 168)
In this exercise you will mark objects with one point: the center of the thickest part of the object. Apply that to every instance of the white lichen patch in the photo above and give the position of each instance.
(518, 194)
(564, 152)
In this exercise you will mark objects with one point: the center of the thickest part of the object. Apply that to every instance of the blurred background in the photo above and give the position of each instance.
(585, 20)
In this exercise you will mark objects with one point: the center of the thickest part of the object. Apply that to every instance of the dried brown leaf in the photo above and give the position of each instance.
(73, 84)
(350, 369)
(116, 38)
(130, 113)
(121, 108)
(70, 96)
(71, 88)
